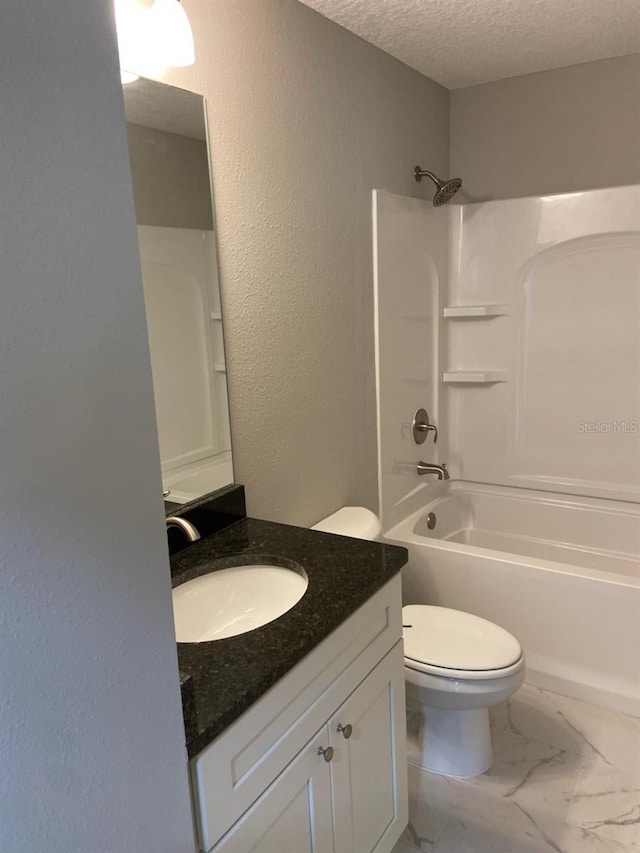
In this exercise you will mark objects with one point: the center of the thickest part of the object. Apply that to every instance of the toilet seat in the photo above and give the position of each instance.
(453, 644)
(463, 674)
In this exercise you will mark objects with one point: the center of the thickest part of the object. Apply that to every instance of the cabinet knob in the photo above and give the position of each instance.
(327, 753)
(345, 731)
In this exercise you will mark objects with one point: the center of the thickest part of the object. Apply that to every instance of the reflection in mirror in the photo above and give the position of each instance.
(176, 235)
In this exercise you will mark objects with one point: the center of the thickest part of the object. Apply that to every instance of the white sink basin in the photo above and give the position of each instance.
(232, 601)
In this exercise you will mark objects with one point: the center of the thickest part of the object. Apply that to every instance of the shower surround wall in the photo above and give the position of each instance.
(410, 273)
(516, 324)
(563, 410)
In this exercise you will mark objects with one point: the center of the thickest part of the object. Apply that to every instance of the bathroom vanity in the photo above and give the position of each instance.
(296, 730)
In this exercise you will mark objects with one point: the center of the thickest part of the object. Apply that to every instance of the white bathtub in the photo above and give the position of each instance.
(561, 573)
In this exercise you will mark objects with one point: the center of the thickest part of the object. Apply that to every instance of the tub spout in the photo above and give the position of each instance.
(432, 468)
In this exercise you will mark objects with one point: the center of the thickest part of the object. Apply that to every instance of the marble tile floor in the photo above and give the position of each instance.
(565, 779)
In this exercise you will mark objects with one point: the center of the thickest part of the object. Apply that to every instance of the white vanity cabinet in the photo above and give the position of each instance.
(265, 786)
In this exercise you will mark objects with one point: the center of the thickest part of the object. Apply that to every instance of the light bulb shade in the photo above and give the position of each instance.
(132, 39)
(171, 33)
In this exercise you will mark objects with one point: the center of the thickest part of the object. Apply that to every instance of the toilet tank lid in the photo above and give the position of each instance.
(355, 521)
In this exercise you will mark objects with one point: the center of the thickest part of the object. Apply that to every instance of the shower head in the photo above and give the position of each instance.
(445, 190)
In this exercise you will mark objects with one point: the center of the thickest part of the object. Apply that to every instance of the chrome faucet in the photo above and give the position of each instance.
(432, 468)
(189, 530)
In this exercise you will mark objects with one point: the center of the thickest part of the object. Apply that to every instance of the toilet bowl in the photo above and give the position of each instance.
(456, 666)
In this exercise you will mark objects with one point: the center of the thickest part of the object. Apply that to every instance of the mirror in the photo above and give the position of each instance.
(169, 158)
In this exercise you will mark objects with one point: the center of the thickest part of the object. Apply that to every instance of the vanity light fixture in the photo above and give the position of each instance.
(150, 39)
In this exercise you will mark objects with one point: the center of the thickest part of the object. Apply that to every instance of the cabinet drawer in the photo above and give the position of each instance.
(238, 766)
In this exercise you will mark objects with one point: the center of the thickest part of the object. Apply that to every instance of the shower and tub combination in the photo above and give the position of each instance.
(516, 325)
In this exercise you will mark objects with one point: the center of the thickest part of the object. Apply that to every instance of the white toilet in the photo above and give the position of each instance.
(456, 666)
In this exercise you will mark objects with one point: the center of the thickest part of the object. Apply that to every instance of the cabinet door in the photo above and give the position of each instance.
(294, 813)
(369, 775)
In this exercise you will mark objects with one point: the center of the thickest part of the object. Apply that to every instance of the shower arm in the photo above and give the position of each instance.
(421, 173)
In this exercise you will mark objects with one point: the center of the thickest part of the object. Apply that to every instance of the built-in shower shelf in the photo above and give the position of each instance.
(454, 312)
(474, 377)
(216, 315)
(220, 367)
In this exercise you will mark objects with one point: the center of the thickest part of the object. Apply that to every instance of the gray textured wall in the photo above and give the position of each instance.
(170, 173)
(91, 733)
(557, 131)
(304, 120)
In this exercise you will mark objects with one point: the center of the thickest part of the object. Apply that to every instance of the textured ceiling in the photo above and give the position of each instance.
(464, 42)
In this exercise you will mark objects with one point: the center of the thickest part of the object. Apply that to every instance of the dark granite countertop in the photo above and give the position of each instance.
(221, 679)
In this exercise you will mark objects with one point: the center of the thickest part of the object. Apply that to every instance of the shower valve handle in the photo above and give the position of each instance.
(428, 428)
(421, 427)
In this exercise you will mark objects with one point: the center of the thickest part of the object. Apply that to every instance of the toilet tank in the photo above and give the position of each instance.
(355, 521)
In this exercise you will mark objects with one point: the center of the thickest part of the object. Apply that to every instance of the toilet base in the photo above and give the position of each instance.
(455, 743)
